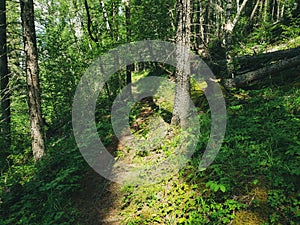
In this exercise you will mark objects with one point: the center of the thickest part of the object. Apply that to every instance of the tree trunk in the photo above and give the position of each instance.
(182, 90)
(32, 77)
(105, 17)
(261, 7)
(201, 20)
(238, 13)
(193, 25)
(89, 21)
(228, 40)
(273, 10)
(129, 68)
(266, 9)
(254, 62)
(115, 22)
(254, 9)
(229, 27)
(207, 23)
(4, 76)
(219, 22)
(282, 10)
(244, 79)
(249, 63)
(198, 31)
(278, 11)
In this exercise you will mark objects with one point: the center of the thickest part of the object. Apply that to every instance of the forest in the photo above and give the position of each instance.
(150, 112)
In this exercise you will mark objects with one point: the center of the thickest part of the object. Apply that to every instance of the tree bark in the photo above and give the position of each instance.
(105, 17)
(249, 63)
(266, 9)
(229, 27)
(254, 9)
(238, 13)
(129, 68)
(182, 75)
(32, 77)
(278, 11)
(282, 10)
(114, 18)
(201, 20)
(4, 79)
(254, 62)
(228, 40)
(207, 22)
(244, 79)
(89, 21)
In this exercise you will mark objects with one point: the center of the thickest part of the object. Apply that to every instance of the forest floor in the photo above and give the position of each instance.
(98, 199)
(227, 193)
(101, 201)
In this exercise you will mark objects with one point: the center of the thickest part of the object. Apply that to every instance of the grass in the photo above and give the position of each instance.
(255, 171)
(253, 180)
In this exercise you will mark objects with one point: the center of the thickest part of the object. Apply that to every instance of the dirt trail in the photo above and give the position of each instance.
(98, 200)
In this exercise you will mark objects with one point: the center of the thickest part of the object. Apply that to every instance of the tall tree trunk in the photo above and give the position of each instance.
(238, 13)
(207, 22)
(282, 10)
(265, 13)
(89, 21)
(182, 90)
(261, 7)
(105, 17)
(254, 9)
(115, 22)
(273, 3)
(201, 20)
(278, 11)
(129, 68)
(229, 27)
(4, 76)
(219, 21)
(198, 26)
(32, 77)
(193, 25)
(228, 39)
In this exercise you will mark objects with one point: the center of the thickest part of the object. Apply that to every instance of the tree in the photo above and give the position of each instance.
(4, 76)
(229, 28)
(105, 17)
(32, 77)
(128, 35)
(94, 38)
(182, 76)
(129, 68)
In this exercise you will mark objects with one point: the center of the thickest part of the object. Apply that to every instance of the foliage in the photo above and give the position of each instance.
(257, 170)
(41, 194)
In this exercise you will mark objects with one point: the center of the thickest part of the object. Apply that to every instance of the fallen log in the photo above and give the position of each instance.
(246, 78)
(253, 62)
(260, 60)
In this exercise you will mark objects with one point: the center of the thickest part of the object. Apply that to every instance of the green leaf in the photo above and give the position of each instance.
(255, 182)
(222, 188)
(215, 187)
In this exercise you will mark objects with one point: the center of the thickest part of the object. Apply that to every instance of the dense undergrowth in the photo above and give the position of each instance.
(254, 179)
(39, 194)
